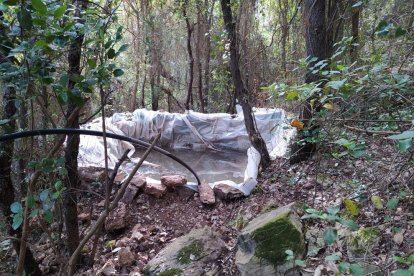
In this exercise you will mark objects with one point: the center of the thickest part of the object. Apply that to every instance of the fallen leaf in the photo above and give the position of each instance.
(398, 238)
(351, 207)
(297, 124)
(377, 201)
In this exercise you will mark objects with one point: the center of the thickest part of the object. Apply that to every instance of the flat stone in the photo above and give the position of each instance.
(117, 219)
(155, 188)
(224, 191)
(206, 194)
(172, 181)
(126, 257)
(138, 181)
(130, 193)
(190, 254)
(119, 177)
(91, 174)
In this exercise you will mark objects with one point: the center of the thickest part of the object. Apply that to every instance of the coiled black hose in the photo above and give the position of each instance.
(66, 131)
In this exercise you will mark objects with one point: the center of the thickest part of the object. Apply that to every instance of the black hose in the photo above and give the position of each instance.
(66, 131)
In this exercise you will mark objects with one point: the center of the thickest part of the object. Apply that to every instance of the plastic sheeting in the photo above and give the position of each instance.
(192, 130)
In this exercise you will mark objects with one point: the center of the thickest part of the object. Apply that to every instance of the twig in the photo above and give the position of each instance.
(111, 182)
(380, 132)
(105, 213)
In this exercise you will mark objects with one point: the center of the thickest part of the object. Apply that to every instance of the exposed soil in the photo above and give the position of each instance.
(319, 183)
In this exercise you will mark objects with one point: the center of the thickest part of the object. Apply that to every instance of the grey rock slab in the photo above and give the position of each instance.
(189, 253)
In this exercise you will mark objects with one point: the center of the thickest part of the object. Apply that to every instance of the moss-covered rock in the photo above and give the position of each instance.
(263, 242)
(188, 255)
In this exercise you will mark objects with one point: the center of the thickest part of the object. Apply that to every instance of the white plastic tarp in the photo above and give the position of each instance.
(192, 130)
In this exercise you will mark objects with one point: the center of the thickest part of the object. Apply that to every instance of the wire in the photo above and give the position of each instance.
(66, 131)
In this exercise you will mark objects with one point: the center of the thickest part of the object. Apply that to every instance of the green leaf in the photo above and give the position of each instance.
(44, 195)
(377, 201)
(39, 6)
(292, 95)
(300, 263)
(48, 216)
(92, 63)
(337, 84)
(356, 270)
(392, 203)
(59, 12)
(405, 135)
(349, 223)
(25, 19)
(58, 185)
(330, 235)
(111, 53)
(16, 207)
(31, 201)
(17, 221)
(118, 72)
(332, 257)
(402, 272)
(333, 210)
(400, 32)
(343, 267)
(123, 48)
(399, 259)
(404, 145)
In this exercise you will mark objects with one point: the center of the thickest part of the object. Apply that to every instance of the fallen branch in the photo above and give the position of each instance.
(105, 213)
(370, 132)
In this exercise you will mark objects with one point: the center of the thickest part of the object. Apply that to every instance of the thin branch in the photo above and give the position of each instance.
(105, 213)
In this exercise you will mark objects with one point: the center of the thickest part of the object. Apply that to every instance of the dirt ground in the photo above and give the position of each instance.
(319, 183)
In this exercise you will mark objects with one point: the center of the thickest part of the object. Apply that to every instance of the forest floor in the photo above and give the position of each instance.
(320, 182)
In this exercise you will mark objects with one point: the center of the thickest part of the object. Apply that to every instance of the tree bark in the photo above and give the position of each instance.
(72, 146)
(190, 58)
(355, 33)
(316, 46)
(7, 191)
(241, 90)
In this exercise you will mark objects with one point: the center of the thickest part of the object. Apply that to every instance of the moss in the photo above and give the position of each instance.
(171, 272)
(363, 240)
(275, 237)
(195, 248)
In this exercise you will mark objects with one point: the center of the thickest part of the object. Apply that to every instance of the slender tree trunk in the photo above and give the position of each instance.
(189, 99)
(355, 33)
(72, 145)
(316, 46)
(135, 90)
(200, 39)
(7, 191)
(207, 52)
(241, 90)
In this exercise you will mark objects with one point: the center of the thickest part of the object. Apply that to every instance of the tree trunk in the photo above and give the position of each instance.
(200, 39)
(7, 191)
(190, 57)
(72, 146)
(241, 90)
(316, 46)
(355, 33)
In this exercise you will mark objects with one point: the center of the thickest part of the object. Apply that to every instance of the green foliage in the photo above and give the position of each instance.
(171, 272)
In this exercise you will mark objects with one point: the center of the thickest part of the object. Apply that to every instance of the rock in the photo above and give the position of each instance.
(263, 242)
(187, 255)
(107, 269)
(206, 194)
(117, 219)
(136, 233)
(84, 217)
(91, 174)
(155, 188)
(137, 182)
(119, 177)
(224, 191)
(173, 181)
(126, 257)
